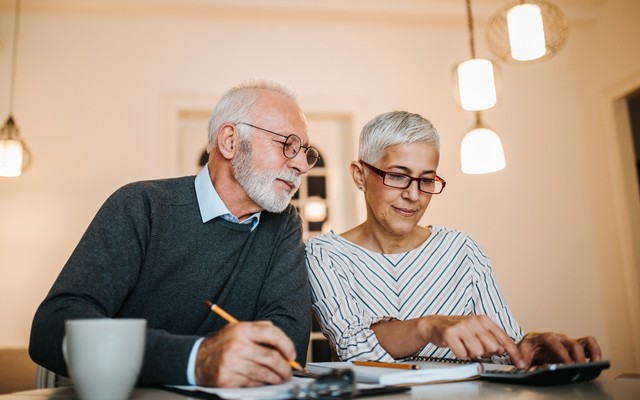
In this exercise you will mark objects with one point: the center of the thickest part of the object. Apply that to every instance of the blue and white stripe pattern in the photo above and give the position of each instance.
(353, 288)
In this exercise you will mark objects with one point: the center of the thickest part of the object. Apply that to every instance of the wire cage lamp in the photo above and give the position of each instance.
(527, 30)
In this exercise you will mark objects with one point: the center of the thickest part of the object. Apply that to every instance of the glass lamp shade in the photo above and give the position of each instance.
(14, 154)
(526, 32)
(10, 158)
(476, 84)
(482, 152)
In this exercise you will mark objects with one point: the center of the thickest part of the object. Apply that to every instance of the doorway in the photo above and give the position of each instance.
(633, 106)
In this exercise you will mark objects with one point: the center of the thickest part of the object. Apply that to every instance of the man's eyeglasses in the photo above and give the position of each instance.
(292, 145)
(402, 181)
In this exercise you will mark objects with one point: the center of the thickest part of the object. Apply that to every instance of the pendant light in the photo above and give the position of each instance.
(475, 77)
(527, 30)
(481, 150)
(14, 153)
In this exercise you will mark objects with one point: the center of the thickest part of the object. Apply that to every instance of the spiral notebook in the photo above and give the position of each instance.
(429, 372)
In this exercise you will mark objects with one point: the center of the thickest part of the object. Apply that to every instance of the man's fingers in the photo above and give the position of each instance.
(268, 349)
(245, 354)
(267, 334)
(274, 367)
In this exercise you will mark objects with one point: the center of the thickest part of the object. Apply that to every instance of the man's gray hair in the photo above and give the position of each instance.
(392, 128)
(236, 105)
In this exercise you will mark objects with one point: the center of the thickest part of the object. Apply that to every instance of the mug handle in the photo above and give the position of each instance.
(64, 349)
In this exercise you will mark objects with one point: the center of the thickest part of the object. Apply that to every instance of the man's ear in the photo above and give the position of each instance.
(357, 174)
(228, 140)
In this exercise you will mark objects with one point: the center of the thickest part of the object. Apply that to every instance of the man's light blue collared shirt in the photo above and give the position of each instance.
(211, 206)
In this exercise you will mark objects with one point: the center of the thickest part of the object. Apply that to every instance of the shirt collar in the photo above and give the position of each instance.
(211, 205)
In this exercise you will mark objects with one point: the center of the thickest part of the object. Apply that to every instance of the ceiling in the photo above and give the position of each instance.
(441, 11)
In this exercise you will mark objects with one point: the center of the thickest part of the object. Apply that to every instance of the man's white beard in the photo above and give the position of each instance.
(259, 184)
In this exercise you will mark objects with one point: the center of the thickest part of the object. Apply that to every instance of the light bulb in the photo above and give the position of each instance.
(10, 158)
(315, 209)
(481, 152)
(476, 84)
(526, 32)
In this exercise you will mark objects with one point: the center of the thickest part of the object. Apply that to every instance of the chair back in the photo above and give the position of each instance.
(48, 379)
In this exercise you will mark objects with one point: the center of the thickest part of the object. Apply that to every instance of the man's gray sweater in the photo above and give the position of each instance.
(147, 254)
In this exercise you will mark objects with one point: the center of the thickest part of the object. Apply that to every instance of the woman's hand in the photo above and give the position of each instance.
(471, 336)
(468, 336)
(550, 347)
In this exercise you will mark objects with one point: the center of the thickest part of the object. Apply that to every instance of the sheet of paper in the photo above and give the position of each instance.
(267, 392)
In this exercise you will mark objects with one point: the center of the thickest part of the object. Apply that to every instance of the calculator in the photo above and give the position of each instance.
(544, 375)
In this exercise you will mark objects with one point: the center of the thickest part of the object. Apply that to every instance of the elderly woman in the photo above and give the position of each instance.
(390, 288)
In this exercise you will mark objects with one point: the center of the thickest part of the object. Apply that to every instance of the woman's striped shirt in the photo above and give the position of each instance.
(353, 288)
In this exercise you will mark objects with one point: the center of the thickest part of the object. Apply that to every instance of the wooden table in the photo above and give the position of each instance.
(620, 389)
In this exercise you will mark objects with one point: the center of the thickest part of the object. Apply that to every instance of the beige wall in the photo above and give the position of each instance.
(95, 84)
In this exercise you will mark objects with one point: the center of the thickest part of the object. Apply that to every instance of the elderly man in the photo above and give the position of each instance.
(158, 249)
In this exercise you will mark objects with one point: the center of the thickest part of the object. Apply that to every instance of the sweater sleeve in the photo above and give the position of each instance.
(96, 280)
(345, 323)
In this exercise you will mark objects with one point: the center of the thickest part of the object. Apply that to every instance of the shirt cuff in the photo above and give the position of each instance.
(191, 366)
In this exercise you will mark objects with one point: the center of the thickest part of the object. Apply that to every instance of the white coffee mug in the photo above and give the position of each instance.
(104, 356)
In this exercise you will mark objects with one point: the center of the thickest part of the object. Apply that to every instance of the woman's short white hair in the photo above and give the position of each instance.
(392, 128)
(236, 104)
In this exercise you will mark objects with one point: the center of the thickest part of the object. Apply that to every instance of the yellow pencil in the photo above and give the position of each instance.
(230, 319)
(381, 364)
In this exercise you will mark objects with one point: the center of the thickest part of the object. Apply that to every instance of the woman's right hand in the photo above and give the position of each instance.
(470, 336)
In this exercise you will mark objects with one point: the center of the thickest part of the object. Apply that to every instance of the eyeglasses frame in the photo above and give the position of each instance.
(383, 174)
(286, 138)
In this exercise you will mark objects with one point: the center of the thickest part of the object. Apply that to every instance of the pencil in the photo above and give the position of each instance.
(381, 364)
(230, 319)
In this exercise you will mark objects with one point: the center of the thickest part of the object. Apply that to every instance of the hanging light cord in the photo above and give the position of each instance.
(478, 120)
(472, 45)
(14, 57)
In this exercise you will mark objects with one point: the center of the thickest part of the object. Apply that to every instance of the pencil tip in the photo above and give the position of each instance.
(208, 303)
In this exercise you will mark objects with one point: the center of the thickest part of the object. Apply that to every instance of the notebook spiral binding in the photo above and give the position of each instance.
(496, 359)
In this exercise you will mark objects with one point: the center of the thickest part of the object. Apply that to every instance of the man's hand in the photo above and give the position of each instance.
(471, 336)
(549, 347)
(245, 354)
